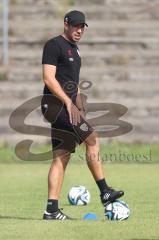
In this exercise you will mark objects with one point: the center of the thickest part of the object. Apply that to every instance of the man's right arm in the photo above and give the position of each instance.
(53, 85)
(49, 72)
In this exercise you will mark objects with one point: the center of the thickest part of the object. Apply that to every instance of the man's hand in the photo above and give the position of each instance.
(83, 114)
(74, 113)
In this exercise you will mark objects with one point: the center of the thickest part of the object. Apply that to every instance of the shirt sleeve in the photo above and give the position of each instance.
(51, 53)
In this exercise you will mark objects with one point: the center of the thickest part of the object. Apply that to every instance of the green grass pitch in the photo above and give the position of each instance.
(23, 197)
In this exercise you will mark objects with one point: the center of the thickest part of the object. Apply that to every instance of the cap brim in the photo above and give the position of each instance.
(76, 23)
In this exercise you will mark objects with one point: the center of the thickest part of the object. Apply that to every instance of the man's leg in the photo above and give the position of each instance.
(93, 157)
(56, 173)
(55, 180)
(95, 165)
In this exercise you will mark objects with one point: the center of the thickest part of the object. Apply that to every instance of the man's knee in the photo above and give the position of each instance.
(62, 154)
(92, 140)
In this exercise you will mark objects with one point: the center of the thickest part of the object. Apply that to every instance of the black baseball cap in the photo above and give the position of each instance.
(75, 17)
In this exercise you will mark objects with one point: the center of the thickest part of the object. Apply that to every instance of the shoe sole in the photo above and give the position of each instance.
(54, 219)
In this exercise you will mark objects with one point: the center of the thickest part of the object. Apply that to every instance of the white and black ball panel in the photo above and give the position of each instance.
(79, 195)
(117, 210)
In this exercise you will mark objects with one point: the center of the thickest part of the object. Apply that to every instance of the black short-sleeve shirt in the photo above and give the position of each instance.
(65, 56)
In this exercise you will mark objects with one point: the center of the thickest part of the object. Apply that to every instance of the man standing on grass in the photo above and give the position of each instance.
(62, 106)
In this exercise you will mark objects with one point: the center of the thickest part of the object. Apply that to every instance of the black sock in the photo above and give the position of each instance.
(102, 185)
(52, 205)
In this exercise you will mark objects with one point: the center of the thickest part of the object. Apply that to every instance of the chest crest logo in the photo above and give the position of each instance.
(69, 53)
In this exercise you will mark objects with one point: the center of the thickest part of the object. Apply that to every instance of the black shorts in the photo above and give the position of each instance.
(64, 135)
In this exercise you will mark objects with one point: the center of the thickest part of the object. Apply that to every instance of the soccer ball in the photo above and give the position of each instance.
(79, 195)
(117, 210)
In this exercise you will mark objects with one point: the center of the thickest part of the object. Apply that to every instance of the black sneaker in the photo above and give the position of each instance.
(56, 216)
(110, 195)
